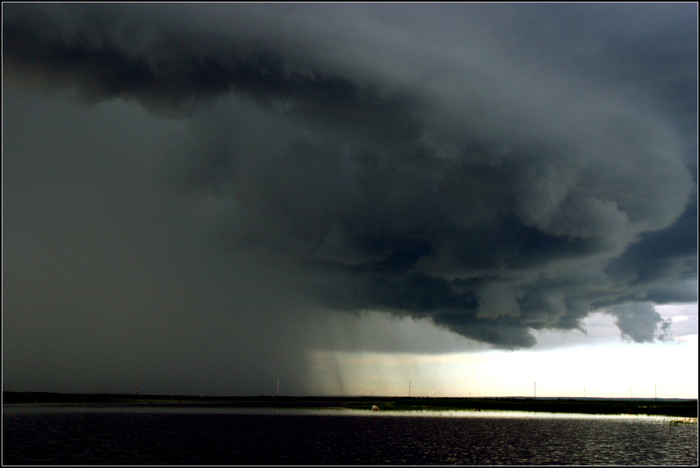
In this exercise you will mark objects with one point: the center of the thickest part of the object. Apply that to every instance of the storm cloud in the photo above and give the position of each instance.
(494, 169)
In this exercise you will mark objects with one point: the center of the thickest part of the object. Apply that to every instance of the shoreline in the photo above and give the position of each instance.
(656, 407)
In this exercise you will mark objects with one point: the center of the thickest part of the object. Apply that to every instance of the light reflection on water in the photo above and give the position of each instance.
(483, 414)
(329, 411)
(215, 435)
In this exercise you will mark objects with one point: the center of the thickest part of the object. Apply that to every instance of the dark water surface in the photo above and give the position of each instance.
(71, 435)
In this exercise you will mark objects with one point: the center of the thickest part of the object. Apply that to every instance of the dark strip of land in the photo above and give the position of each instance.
(661, 407)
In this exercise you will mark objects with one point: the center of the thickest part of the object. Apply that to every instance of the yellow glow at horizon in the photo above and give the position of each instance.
(607, 371)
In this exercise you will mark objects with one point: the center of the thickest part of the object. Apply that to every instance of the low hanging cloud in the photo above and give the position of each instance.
(439, 171)
(641, 322)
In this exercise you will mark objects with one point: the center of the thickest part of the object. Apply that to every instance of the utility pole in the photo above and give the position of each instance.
(278, 387)
(654, 392)
(409, 388)
(535, 389)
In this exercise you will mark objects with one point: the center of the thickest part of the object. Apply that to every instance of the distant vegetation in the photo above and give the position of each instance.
(661, 407)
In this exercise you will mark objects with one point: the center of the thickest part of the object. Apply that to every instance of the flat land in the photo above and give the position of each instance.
(661, 407)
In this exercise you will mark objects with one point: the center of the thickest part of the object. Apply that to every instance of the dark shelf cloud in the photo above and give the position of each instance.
(216, 177)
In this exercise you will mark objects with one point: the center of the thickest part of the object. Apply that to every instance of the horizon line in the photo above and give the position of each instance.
(138, 395)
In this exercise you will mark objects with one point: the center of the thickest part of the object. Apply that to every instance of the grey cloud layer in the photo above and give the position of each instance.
(414, 160)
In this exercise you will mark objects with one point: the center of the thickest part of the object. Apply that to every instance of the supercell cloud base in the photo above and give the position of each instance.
(196, 194)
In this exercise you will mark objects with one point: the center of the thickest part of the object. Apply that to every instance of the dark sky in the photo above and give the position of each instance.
(192, 190)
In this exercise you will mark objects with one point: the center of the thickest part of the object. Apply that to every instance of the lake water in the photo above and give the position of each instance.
(120, 435)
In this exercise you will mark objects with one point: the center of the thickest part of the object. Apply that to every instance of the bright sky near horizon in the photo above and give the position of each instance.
(598, 364)
(204, 198)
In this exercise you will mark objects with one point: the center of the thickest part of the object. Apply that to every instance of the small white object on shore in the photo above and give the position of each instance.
(375, 408)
